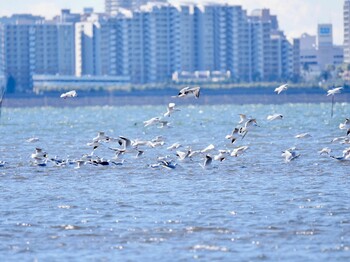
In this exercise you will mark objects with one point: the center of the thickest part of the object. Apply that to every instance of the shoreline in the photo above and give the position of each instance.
(164, 96)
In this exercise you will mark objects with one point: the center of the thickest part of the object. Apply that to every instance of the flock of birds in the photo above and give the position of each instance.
(137, 147)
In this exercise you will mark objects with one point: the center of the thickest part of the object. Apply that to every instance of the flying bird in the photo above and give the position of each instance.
(274, 117)
(334, 91)
(345, 125)
(281, 88)
(72, 93)
(189, 90)
(170, 109)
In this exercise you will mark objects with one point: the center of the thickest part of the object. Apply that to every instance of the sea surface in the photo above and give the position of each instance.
(254, 207)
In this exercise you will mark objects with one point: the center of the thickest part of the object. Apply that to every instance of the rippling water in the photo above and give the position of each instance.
(251, 208)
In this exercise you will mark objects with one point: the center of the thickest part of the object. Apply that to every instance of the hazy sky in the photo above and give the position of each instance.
(295, 16)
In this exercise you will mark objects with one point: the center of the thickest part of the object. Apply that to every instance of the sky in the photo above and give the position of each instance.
(295, 17)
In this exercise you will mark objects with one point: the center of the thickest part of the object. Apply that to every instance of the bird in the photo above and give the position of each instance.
(189, 90)
(274, 117)
(174, 146)
(345, 156)
(32, 140)
(100, 137)
(79, 163)
(95, 144)
(125, 142)
(239, 151)
(170, 109)
(325, 151)
(290, 154)
(234, 135)
(345, 125)
(281, 88)
(152, 121)
(183, 155)
(39, 154)
(2, 163)
(207, 161)
(208, 148)
(72, 93)
(243, 118)
(247, 126)
(303, 135)
(168, 164)
(334, 91)
(222, 155)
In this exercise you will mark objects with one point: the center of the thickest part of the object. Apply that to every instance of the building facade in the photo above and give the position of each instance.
(346, 18)
(149, 44)
(318, 53)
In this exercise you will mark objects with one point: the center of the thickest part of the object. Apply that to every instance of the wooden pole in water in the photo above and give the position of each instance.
(332, 105)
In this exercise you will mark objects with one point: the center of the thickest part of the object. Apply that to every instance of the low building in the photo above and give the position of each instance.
(2, 85)
(84, 83)
(201, 76)
(318, 53)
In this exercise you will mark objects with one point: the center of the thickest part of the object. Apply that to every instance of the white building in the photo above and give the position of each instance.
(112, 6)
(346, 18)
(317, 52)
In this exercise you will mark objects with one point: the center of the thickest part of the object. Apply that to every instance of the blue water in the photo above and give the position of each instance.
(255, 207)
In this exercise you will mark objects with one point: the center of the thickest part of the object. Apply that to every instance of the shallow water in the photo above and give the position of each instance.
(251, 208)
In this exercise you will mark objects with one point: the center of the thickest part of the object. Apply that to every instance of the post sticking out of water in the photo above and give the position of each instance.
(332, 105)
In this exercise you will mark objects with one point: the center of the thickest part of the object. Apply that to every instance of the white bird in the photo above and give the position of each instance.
(79, 163)
(189, 90)
(222, 155)
(290, 154)
(281, 88)
(239, 151)
(183, 155)
(325, 151)
(334, 91)
(208, 148)
(125, 142)
(274, 117)
(72, 93)
(174, 146)
(303, 135)
(234, 135)
(32, 140)
(207, 162)
(95, 144)
(39, 154)
(242, 118)
(170, 109)
(247, 126)
(345, 125)
(152, 121)
(100, 137)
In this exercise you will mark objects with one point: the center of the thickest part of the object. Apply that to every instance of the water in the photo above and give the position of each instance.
(254, 207)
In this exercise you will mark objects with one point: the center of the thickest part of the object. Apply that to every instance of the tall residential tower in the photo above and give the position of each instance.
(346, 10)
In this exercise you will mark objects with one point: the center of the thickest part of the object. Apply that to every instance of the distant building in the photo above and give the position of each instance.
(318, 52)
(112, 6)
(63, 82)
(346, 17)
(14, 49)
(2, 84)
(148, 44)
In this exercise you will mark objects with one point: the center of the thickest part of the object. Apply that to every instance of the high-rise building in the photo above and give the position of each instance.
(30, 45)
(14, 49)
(346, 17)
(112, 6)
(317, 52)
